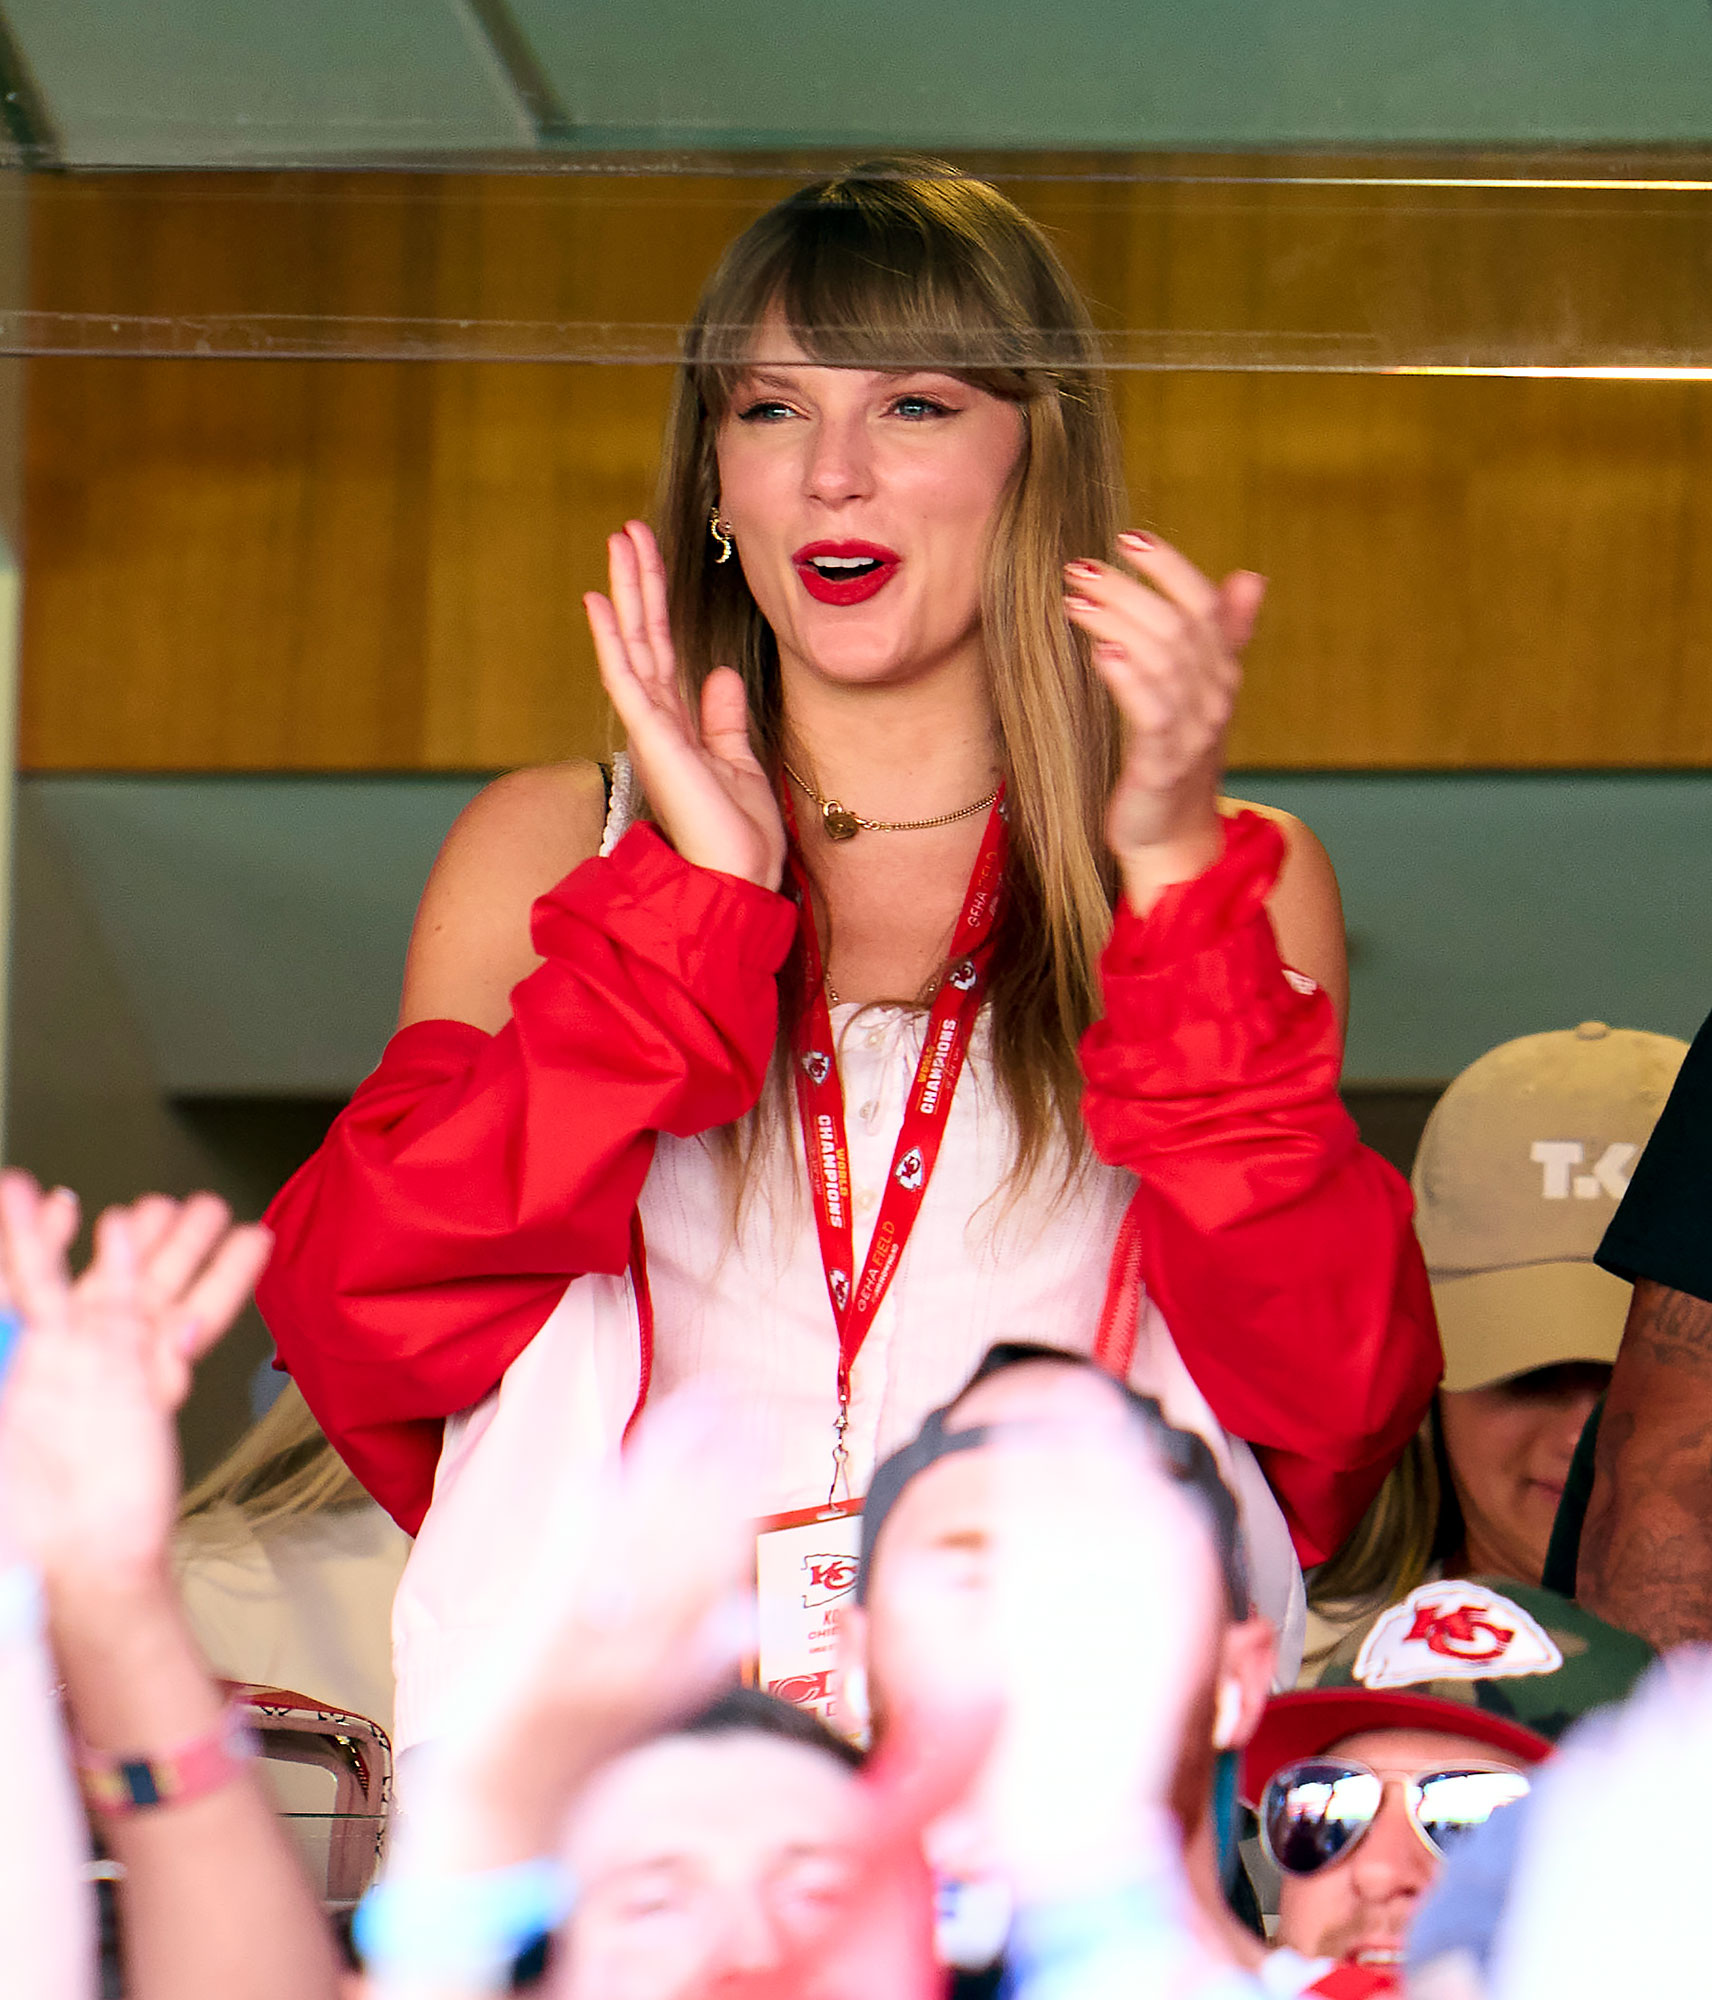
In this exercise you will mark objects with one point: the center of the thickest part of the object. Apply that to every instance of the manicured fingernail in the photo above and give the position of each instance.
(1087, 569)
(1074, 603)
(1132, 540)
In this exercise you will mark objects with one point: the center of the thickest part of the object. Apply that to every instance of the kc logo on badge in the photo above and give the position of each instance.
(830, 1577)
(1454, 1631)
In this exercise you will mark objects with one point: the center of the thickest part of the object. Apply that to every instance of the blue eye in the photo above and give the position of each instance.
(763, 413)
(918, 407)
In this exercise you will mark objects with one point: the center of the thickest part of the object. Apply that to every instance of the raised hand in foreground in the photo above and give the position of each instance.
(87, 1441)
(214, 1905)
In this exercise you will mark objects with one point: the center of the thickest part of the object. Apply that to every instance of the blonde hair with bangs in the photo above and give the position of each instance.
(911, 264)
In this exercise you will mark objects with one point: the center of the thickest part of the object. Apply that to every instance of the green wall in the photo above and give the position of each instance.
(256, 927)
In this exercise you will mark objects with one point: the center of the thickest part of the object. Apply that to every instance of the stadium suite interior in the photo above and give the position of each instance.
(334, 361)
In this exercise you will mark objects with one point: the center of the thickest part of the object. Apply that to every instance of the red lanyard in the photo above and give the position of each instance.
(820, 1104)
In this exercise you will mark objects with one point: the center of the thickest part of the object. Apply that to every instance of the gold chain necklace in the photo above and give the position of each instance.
(842, 824)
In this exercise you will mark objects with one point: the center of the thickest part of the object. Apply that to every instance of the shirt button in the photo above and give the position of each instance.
(864, 1199)
(874, 1038)
(870, 1109)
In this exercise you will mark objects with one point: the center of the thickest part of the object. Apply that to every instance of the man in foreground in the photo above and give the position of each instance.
(1034, 1542)
(1049, 1610)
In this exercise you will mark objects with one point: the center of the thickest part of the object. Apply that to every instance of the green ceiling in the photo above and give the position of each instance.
(228, 82)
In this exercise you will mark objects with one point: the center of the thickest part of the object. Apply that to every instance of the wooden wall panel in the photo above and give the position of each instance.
(1464, 573)
(333, 566)
(377, 564)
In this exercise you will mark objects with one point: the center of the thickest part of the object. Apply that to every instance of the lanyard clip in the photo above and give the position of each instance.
(840, 1453)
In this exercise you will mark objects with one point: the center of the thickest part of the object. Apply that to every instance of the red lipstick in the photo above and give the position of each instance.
(845, 572)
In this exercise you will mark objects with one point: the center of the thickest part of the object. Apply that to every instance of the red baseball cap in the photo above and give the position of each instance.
(1507, 1664)
(1309, 1722)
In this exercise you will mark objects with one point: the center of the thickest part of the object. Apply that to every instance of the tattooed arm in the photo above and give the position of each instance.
(1646, 1549)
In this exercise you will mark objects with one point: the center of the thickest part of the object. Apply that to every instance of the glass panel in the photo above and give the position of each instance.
(1288, 264)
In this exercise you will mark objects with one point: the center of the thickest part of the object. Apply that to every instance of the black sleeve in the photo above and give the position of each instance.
(1663, 1228)
(1563, 1556)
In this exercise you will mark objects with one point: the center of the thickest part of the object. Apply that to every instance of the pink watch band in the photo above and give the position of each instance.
(118, 1786)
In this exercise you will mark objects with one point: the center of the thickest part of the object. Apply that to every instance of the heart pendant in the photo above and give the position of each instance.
(840, 822)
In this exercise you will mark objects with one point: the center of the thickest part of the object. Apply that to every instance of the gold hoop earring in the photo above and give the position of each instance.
(721, 533)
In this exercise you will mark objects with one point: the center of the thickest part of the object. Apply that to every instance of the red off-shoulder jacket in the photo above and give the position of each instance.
(472, 1176)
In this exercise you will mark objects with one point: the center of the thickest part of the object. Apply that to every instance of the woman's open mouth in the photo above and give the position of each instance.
(845, 572)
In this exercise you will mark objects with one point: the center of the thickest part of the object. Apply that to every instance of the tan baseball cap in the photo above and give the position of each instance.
(1521, 1166)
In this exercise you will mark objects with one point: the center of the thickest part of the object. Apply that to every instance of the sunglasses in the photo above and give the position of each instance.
(1313, 1812)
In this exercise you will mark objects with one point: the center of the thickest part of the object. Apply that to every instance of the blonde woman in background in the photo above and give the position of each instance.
(1520, 1168)
(288, 1569)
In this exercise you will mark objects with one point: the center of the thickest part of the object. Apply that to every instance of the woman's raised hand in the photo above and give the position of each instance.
(1167, 642)
(699, 774)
